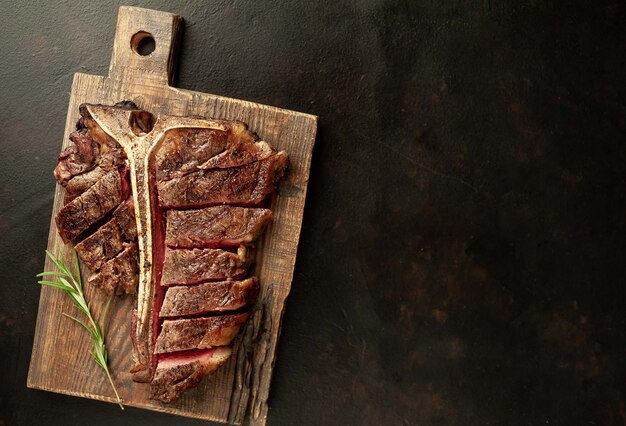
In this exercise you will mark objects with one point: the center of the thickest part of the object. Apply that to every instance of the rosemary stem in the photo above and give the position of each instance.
(119, 400)
(73, 287)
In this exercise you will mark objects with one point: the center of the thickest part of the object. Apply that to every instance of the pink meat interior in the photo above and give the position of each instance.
(177, 358)
(214, 204)
(158, 238)
(229, 245)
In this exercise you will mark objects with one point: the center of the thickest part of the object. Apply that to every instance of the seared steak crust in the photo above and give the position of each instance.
(83, 211)
(119, 275)
(178, 372)
(210, 297)
(100, 246)
(108, 240)
(220, 226)
(82, 182)
(183, 150)
(248, 184)
(198, 265)
(239, 155)
(199, 333)
(125, 217)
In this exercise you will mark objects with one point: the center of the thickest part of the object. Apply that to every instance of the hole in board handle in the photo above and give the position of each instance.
(142, 43)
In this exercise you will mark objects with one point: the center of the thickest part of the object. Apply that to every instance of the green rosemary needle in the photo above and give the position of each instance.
(73, 287)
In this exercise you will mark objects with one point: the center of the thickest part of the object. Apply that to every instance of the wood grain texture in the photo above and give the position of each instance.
(238, 391)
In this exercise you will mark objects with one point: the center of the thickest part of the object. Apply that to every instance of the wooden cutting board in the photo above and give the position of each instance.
(238, 391)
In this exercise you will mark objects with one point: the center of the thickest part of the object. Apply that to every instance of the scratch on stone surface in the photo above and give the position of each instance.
(340, 328)
(363, 350)
(415, 162)
(431, 170)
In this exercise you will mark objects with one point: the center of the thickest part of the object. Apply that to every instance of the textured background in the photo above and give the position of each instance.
(463, 251)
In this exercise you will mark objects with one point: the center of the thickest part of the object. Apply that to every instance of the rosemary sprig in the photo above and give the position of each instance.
(73, 287)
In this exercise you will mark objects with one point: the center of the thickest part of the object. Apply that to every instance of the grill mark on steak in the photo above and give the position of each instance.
(82, 182)
(244, 185)
(211, 227)
(199, 333)
(239, 155)
(184, 370)
(183, 150)
(107, 241)
(100, 246)
(199, 265)
(209, 297)
(85, 210)
(119, 274)
(125, 217)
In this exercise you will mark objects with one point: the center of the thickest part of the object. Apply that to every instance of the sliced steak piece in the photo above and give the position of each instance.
(210, 297)
(108, 240)
(92, 155)
(125, 217)
(199, 333)
(239, 155)
(101, 246)
(76, 158)
(183, 150)
(220, 226)
(76, 216)
(248, 184)
(198, 265)
(119, 275)
(178, 372)
(81, 183)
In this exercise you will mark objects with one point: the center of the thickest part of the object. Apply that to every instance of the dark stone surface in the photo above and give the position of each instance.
(463, 250)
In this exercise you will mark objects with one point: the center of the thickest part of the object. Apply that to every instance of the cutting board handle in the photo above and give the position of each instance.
(135, 33)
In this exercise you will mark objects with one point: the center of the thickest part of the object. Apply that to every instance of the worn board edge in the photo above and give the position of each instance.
(261, 409)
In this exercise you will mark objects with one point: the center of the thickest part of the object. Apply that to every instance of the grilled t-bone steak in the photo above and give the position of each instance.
(199, 192)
